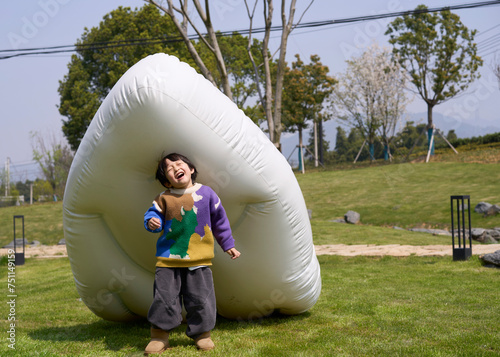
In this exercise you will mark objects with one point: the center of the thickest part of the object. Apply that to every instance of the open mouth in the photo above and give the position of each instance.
(179, 175)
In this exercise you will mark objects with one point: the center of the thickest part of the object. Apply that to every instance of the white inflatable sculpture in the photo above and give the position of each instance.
(162, 105)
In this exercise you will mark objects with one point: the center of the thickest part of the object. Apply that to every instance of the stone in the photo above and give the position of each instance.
(338, 220)
(494, 233)
(482, 207)
(62, 242)
(478, 234)
(352, 217)
(492, 211)
(489, 240)
(19, 243)
(492, 258)
(436, 232)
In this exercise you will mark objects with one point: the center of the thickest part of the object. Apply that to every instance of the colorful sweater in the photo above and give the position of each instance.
(190, 219)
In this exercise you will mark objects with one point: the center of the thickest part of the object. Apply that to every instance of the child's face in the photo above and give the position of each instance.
(179, 174)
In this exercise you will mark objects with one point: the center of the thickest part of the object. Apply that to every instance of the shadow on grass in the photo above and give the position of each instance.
(125, 335)
(115, 335)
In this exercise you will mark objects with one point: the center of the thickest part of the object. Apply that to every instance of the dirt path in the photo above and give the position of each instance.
(59, 251)
(398, 250)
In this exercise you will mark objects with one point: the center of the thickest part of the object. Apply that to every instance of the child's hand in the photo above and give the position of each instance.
(233, 253)
(154, 223)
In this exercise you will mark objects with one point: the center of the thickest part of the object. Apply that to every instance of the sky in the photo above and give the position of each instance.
(28, 91)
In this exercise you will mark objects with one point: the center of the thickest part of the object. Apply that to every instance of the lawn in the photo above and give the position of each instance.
(414, 306)
(404, 195)
(369, 306)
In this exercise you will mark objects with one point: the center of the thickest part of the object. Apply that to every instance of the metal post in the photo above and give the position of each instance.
(19, 257)
(461, 251)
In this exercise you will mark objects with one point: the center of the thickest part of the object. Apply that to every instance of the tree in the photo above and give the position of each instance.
(306, 88)
(129, 37)
(451, 136)
(341, 144)
(439, 53)
(370, 97)
(271, 95)
(54, 159)
(496, 70)
(312, 145)
(95, 68)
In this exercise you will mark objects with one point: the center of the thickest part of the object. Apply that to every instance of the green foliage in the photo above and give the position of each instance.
(95, 69)
(438, 51)
(477, 140)
(306, 88)
(54, 161)
(411, 139)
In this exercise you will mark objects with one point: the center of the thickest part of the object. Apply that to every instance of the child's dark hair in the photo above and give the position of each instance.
(161, 173)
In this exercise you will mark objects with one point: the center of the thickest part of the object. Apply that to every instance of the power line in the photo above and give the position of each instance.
(149, 41)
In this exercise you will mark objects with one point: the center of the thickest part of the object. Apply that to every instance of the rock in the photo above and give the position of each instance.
(421, 230)
(436, 232)
(492, 211)
(62, 242)
(492, 258)
(489, 240)
(494, 233)
(352, 217)
(482, 207)
(338, 220)
(478, 233)
(19, 243)
(398, 228)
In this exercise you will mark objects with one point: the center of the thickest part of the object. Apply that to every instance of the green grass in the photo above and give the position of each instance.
(414, 306)
(405, 195)
(42, 222)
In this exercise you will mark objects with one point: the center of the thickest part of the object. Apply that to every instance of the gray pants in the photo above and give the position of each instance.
(193, 288)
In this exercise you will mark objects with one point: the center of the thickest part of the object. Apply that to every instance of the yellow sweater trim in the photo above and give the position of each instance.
(181, 263)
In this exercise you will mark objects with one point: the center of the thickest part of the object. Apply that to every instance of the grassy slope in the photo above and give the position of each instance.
(405, 195)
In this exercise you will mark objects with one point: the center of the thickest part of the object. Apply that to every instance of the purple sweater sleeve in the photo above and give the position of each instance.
(221, 228)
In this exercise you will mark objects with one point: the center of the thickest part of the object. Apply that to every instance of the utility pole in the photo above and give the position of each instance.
(7, 173)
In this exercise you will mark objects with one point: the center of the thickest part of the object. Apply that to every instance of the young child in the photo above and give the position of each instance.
(190, 216)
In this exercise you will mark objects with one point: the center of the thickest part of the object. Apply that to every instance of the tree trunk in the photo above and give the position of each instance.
(287, 28)
(320, 133)
(430, 128)
(315, 144)
(214, 47)
(371, 149)
(301, 153)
